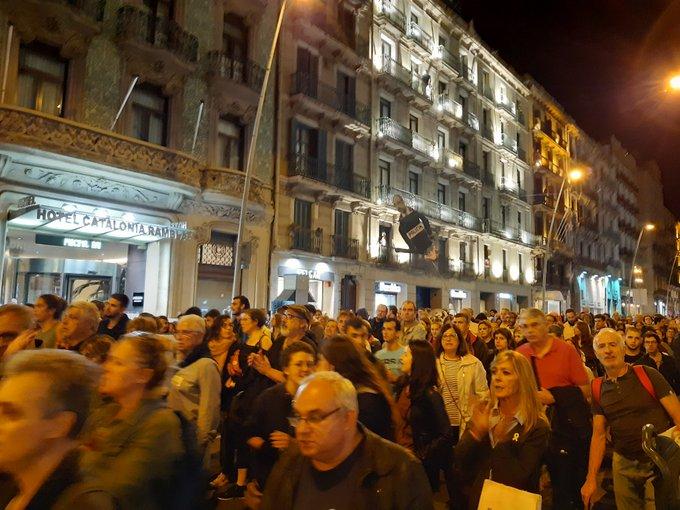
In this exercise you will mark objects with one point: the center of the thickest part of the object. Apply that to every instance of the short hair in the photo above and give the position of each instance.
(357, 323)
(121, 298)
(652, 334)
(393, 309)
(463, 316)
(256, 314)
(630, 327)
(609, 332)
(348, 313)
(245, 302)
(150, 352)
(89, 313)
(193, 310)
(195, 322)
(507, 334)
(569, 310)
(72, 381)
(343, 390)
(409, 302)
(486, 322)
(213, 312)
(142, 323)
(601, 317)
(481, 317)
(98, 303)
(532, 313)
(557, 330)
(54, 302)
(396, 323)
(23, 315)
(294, 348)
(97, 348)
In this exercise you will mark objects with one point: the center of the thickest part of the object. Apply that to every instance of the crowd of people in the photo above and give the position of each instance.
(297, 410)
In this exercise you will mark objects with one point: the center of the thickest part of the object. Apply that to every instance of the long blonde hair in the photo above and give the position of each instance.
(530, 408)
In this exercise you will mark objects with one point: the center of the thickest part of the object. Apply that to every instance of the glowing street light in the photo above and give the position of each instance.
(649, 227)
(576, 175)
(674, 82)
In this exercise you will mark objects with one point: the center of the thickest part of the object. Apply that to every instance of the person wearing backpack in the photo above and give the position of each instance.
(625, 399)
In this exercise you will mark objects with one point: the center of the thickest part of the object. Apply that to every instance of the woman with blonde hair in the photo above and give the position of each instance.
(508, 435)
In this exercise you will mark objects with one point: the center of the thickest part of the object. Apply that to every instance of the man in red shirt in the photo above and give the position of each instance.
(563, 385)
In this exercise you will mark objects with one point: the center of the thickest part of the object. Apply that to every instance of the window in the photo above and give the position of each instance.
(462, 149)
(414, 19)
(463, 252)
(235, 38)
(505, 260)
(161, 8)
(413, 123)
(385, 108)
(344, 164)
(486, 208)
(346, 90)
(486, 118)
(518, 175)
(384, 167)
(441, 89)
(347, 22)
(463, 102)
(230, 143)
(150, 114)
(504, 214)
(413, 182)
(441, 139)
(386, 55)
(442, 41)
(441, 193)
(486, 161)
(461, 201)
(519, 219)
(341, 223)
(42, 79)
(520, 262)
(502, 171)
(486, 84)
(302, 214)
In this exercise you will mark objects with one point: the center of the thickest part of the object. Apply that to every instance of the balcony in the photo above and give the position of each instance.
(461, 270)
(469, 76)
(509, 233)
(429, 208)
(344, 37)
(471, 169)
(451, 60)
(487, 92)
(546, 130)
(488, 178)
(142, 31)
(449, 161)
(306, 239)
(544, 200)
(508, 143)
(404, 76)
(487, 133)
(417, 34)
(300, 165)
(508, 107)
(343, 246)
(511, 187)
(450, 106)
(393, 15)
(391, 131)
(304, 84)
(522, 154)
(243, 78)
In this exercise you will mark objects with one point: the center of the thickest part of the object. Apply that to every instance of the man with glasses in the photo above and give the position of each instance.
(337, 463)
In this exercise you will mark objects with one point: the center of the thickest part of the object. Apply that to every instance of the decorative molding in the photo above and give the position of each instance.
(224, 212)
(232, 182)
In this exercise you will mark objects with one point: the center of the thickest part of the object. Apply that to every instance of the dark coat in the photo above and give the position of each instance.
(390, 479)
(516, 463)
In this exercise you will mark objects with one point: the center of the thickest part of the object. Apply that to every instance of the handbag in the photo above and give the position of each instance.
(496, 496)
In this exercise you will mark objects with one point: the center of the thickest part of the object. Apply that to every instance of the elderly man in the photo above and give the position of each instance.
(411, 327)
(195, 389)
(624, 400)
(563, 384)
(39, 435)
(78, 325)
(336, 462)
(475, 346)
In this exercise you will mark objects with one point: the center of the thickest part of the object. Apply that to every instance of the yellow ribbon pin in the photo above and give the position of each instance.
(515, 437)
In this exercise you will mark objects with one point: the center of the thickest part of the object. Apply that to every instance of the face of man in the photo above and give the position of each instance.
(408, 312)
(571, 318)
(609, 351)
(324, 427)
(9, 330)
(633, 340)
(236, 307)
(599, 324)
(113, 308)
(648, 320)
(74, 326)
(381, 312)
(462, 324)
(651, 345)
(534, 329)
(187, 338)
(342, 320)
(358, 336)
(389, 331)
(293, 324)
(484, 331)
(25, 431)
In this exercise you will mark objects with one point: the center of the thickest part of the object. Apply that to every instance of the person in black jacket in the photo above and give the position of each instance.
(661, 361)
(427, 431)
(507, 436)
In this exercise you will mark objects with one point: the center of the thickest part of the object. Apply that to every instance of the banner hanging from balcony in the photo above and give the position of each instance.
(415, 229)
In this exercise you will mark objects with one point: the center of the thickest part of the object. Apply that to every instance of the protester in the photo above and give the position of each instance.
(623, 401)
(358, 331)
(39, 435)
(343, 317)
(378, 321)
(503, 341)
(97, 348)
(79, 324)
(135, 435)
(376, 405)
(115, 320)
(634, 350)
(508, 435)
(661, 361)
(210, 317)
(357, 464)
(47, 310)
(257, 335)
(17, 330)
(475, 346)
(330, 329)
(426, 429)
(390, 355)
(238, 305)
(142, 323)
(411, 327)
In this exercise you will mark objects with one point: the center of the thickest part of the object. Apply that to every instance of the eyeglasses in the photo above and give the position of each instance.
(313, 419)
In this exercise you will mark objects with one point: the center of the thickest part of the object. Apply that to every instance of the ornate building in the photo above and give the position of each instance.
(143, 200)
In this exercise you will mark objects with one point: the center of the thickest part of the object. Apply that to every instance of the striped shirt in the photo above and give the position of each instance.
(450, 369)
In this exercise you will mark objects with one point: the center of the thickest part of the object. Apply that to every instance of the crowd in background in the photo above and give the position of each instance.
(295, 409)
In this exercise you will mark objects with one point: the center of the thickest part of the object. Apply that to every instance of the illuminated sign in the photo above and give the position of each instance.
(387, 287)
(68, 242)
(458, 294)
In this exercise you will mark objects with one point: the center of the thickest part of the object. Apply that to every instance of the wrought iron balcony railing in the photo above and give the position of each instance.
(343, 178)
(343, 246)
(306, 239)
(245, 72)
(449, 58)
(303, 83)
(393, 14)
(417, 33)
(450, 106)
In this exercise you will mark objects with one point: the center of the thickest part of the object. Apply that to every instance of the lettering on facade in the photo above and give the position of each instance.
(388, 288)
(80, 219)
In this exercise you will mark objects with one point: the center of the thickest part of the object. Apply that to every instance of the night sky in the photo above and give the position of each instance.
(605, 61)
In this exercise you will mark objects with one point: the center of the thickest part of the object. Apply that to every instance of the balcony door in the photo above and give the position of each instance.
(158, 31)
(344, 164)
(307, 72)
(346, 90)
(308, 151)
(341, 244)
(302, 222)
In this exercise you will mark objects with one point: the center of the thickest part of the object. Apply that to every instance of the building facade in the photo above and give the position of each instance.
(397, 100)
(143, 200)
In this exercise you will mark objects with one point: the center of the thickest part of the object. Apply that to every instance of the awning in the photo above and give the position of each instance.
(85, 221)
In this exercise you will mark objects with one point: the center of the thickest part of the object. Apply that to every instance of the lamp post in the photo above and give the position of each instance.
(670, 277)
(574, 175)
(251, 152)
(647, 227)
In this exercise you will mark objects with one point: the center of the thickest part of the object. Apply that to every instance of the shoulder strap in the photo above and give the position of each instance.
(596, 389)
(535, 369)
(641, 374)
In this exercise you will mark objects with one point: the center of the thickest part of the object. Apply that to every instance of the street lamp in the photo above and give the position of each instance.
(646, 227)
(251, 152)
(674, 82)
(574, 175)
(670, 278)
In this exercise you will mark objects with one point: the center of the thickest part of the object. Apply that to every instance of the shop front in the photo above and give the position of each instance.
(305, 281)
(387, 293)
(458, 299)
